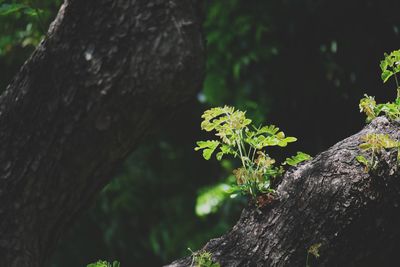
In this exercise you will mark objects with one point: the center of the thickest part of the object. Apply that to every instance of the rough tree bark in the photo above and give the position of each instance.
(107, 73)
(330, 200)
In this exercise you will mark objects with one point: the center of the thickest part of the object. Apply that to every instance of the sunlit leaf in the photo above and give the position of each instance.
(386, 75)
(362, 160)
(208, 148)
(298, 158)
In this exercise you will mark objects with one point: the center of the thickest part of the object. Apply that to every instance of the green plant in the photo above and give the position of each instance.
(240, 139)
(29, 9)
(369, 106)
(390, 66)
(9, 9)
(101, 263)
(374, 144)
(202, 259)
(314, 251)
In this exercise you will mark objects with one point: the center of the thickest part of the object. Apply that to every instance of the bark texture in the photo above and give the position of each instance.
(107, 73)
(331, 200)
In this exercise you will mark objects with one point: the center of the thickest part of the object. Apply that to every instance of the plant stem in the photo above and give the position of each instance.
(250, 152)
(307, 265)
(242, 143)
(397, 84)
(241, 154)
(254, 154)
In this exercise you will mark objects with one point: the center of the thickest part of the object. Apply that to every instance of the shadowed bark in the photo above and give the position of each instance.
(330, 200)
(108, 72)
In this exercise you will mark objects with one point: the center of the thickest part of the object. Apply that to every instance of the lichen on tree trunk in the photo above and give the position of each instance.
(331, 200)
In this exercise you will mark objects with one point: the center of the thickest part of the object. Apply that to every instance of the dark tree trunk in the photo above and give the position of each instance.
(107, 73)
(330, 200)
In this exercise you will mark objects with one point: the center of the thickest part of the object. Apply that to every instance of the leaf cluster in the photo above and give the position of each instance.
(238, 138)
(12, 8)
(390, 65)
(203, 259)
(314, 251)
(369, 106)
(373, 145)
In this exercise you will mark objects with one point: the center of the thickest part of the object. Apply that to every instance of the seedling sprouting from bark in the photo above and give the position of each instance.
(202, 259)
(238, 138)
(314, 251)
(374, 144)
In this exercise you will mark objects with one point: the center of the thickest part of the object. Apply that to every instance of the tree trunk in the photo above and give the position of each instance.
(330, 200)
(108, 72)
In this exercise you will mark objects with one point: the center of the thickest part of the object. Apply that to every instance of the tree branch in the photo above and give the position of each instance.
(330, 200)
(107, 73)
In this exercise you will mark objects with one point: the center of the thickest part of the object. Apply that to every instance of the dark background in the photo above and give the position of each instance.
(302, 65)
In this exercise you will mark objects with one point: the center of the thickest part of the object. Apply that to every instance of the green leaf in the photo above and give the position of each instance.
(390, 65)
(269, 141)
(369, 107)
(290, 139)
(363, 160)
(8, 9)
(377, 142)
(208, 148)
(386, 75)
(225, 150)
(365, 146)
(269, 129)
(314, 250)
(32, 12)
(294, 160)
(285, 141)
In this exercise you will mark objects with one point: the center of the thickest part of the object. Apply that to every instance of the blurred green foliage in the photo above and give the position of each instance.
(22, 25)
(285, 61)
(104, 264)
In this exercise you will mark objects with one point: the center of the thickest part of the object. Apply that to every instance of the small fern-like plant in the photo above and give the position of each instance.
(374, 144)
(238, 138)
(314, 251)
